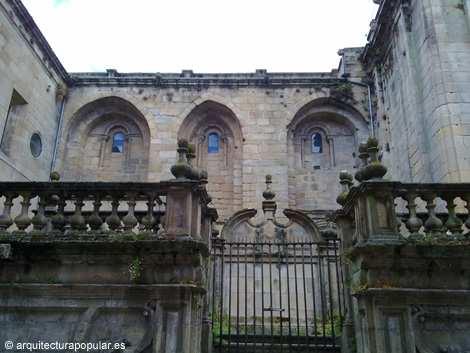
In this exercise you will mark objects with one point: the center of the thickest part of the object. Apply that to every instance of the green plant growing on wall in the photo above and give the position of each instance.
(361, 288)
(343, 89)
(460, 7)
(135, 269)
(327, 326)
(51, 280)
(219, 327)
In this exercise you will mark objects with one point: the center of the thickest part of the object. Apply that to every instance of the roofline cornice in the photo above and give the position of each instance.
(31, 27)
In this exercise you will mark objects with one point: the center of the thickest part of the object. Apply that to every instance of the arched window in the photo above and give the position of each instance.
(118, 142)
(316, 143)
(213, 145)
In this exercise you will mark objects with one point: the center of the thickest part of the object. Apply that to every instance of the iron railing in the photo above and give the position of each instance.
(277, 296)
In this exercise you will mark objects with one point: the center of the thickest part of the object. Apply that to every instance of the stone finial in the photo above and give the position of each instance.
(182, 170)
(329, 232)
(374, 170)
(346, 181)
(203, 175)
(269, 194)
(269, 206)
(190, 156)
(363, 156)
(54, 176)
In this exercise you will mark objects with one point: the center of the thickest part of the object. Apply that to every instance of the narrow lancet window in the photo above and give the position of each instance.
(213, 143)
(118, 142)
(316, 143)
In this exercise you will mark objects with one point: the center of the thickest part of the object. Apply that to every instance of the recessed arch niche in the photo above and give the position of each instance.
(89, 154)
(224, 163)
(314, 172)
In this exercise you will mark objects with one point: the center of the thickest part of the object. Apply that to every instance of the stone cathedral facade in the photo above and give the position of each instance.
(303, 128)
(409, 87)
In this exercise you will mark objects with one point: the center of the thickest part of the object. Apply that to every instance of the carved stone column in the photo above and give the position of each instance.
(303, 138)
(103, 140)
(225, 142)
(331, 143)
(199, 143)
(128, 139)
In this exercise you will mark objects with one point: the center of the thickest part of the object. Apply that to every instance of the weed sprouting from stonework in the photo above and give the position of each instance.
(135, 269)
(460, 7)
(51, 280)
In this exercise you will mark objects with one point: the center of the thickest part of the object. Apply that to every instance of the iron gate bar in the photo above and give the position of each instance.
(282, 256)
(296, 294)
(280, 300)
(330, 291)
(339, 290)
(238, 297)
(246, 300)
(222, 297)
(214, 246)
(262, 298)
(254, 295)
(313, 296)
(288, 297)
(229, 294)
(305, 298)
(322, 299)
(271, 296)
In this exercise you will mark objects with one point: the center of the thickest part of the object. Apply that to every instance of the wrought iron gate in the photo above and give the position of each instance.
(276, 297)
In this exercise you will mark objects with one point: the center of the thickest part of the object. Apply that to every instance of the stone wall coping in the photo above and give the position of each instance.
(109, 189)
(424, 296)
(206, 80)
(397, 188)
(33, 29)
(97, 291)
(102, 248)
(379, 34)
(450, 256)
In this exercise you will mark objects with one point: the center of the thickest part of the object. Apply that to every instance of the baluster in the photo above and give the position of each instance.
(95, 221)
(6, 221)
(413, 224)
(129, 220)
(113, 219)
(433, 225)
(59, 221)
(453, 223)
(23, 221)
(77, 222)
(149, 221)
(363, 156)
(466, 198)
(39, 220)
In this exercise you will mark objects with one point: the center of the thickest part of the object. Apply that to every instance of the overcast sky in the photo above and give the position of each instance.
(202, 35)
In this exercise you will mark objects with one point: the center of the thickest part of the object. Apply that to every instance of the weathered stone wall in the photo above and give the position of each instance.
(31, 75)
(407, 281)
(257, 118)
(83, 282)
(419, 57)
(261, 120)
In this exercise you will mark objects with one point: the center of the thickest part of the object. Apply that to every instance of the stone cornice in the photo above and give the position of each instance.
(97, 291)
(31, 27)
(199, 81)
(379, 35)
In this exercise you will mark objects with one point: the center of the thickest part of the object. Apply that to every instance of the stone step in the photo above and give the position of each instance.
(277, 343)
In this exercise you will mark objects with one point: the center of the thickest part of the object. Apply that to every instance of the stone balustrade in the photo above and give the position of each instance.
(405, 246)
(393, 212)
(169, 208)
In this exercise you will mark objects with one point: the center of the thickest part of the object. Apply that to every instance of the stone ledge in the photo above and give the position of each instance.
(113, 262)
(97, 291)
